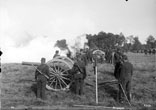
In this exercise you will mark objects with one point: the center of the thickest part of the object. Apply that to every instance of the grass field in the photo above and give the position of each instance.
(17, 85)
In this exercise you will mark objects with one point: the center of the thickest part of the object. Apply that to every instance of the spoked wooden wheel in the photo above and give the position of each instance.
(60, 77)
(98, 53)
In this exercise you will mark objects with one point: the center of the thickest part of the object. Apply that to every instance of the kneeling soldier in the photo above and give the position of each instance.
(40, 76)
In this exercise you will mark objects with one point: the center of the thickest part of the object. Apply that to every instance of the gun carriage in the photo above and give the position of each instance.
(60, 75)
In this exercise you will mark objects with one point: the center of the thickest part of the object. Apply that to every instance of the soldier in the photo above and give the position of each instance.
(124, 77)
(78, 78)
(56, 54)
(69, 54)
(79, 74)
(145, 51)
(154, 51)
(117, 62)
(41, 71)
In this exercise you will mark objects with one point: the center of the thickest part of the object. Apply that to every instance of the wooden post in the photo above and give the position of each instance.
(95, 70)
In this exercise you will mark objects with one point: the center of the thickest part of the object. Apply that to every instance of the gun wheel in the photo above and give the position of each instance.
(98, 53)
(60, 77)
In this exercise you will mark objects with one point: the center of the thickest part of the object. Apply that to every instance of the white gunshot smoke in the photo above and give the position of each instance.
(73, 45)
(77, 43)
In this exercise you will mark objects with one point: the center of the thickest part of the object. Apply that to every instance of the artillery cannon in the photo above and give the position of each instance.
(60, 77)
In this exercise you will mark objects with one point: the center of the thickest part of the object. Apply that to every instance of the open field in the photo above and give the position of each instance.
(17, 86)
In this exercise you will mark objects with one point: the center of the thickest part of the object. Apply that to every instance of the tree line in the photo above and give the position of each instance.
(104, 40)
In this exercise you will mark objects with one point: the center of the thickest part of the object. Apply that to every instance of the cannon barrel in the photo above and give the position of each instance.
(31, 63)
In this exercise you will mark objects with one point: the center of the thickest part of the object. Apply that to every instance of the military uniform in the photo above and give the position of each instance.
(78, 77)
(41, 80)
(79, 74)
(117, 63)
(124, 76)
(56, 55)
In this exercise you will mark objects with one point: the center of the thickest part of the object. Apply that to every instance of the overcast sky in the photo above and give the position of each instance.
(29, 28)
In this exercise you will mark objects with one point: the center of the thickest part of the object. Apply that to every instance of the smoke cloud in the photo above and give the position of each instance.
(72, 45)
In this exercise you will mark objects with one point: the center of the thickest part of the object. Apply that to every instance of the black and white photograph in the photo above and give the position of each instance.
(78, 54)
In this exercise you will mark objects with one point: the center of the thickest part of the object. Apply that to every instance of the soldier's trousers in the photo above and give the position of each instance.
(41, 86)
(126, 87)
(79, 87)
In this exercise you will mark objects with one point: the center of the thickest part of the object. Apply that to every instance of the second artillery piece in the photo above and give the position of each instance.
(60, 77)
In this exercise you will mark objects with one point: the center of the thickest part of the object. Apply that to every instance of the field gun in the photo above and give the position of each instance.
(60, 76)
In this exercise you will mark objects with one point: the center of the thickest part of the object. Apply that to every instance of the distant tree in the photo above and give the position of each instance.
(105, 40)
(120, 40)
(151, 42)
(136, 45)
(127, 46)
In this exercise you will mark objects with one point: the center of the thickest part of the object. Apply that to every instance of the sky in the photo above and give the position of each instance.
(30, 28)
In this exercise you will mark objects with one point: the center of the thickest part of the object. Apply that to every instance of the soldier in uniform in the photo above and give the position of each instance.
(56, 54)
(40, 76)
(145, 51)
(124, 77)
(117, 62)
(79, 74)
(78, 79)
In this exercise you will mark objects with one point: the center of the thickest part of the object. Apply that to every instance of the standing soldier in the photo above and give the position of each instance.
(145, 51)
(79, 74)
(117, 62)
(56, 54)
(78, 78)
(124, 77)
(69, 54)
(41, 74)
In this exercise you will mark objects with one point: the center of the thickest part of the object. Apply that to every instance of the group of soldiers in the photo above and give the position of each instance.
(123, 73)
(150, 51)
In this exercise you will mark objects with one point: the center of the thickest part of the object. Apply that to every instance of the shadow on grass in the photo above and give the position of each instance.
(108, 73)
(110, 90)
(34, 88)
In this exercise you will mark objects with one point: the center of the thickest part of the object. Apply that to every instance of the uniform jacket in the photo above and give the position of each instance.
(126, 72)
(42, 68)
(79, 67)
(56, 55)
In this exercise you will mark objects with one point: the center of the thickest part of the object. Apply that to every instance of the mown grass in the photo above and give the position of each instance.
(17, 86)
